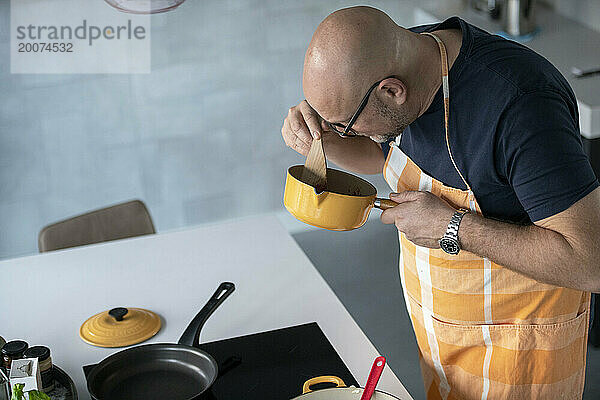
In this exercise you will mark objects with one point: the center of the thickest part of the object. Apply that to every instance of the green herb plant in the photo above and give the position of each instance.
(17, 394)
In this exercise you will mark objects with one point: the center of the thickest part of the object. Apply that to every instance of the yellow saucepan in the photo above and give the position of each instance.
(344, 206)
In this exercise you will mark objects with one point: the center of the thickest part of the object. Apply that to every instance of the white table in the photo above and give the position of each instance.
(45, 298)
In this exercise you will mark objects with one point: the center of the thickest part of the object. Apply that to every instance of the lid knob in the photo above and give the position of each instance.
(118, 313)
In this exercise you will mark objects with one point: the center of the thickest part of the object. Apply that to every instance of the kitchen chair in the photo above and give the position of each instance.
(119, 221)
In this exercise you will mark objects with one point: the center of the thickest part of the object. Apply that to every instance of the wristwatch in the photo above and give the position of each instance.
(449, 242)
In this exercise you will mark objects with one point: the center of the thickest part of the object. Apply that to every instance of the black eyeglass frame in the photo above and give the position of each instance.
(347, 130)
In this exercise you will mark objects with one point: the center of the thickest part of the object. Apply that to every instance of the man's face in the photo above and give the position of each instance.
(378, 121)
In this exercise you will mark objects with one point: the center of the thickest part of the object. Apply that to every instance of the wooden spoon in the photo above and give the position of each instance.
(315, 167)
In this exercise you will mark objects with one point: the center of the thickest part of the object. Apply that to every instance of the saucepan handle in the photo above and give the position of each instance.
(322, 379)
(384, 204)
(191, 336)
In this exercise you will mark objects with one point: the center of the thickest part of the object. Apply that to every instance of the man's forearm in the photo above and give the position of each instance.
(539, 253)
(358, 154)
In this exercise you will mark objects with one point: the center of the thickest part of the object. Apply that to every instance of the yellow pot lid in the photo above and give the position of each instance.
(120, 327)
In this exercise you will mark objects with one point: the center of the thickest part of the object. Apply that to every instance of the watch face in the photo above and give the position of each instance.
(450, 246)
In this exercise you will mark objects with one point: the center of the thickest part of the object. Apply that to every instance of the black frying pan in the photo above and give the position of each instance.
(160, 371)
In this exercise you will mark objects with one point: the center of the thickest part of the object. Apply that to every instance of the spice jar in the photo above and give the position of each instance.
(42, 353)
(12, 350)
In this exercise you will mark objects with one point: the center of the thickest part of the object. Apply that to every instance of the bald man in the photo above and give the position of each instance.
(498, 208)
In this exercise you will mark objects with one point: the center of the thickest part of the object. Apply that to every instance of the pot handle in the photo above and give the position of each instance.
(322, 379)
(191, 336)
(384, 204)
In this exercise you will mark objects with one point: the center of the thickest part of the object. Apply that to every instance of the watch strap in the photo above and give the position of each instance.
(454, 225)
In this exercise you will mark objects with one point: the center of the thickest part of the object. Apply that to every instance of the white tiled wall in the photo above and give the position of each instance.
(198, 139)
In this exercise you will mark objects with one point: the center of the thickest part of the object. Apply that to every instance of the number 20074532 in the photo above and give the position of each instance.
(49, 47)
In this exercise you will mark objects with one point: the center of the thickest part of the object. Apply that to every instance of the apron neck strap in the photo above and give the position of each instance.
(446, 89)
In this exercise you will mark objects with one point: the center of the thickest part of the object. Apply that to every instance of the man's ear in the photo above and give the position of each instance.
(392, 90)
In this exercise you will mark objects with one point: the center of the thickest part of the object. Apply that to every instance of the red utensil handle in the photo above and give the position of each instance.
(374, 375)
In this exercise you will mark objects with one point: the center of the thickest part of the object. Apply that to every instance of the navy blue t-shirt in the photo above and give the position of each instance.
(514, 130)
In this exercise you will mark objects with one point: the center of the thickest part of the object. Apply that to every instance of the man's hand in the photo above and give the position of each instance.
(358, 154)
(300, 126)
(421, 216)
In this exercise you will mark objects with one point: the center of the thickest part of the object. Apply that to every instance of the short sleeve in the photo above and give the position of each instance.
(541, 155)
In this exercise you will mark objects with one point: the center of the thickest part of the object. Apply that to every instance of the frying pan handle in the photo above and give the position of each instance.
(191, 336)
(384, 204)
(322, 379)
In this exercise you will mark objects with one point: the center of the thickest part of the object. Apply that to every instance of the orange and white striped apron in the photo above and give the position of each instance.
(484, 331)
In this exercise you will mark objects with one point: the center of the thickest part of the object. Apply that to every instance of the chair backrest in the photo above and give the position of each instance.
(111, 223)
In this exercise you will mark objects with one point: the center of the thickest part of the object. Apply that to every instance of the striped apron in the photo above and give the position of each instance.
(484, 331)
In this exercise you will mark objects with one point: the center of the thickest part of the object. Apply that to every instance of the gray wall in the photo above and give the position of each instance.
(198, 139)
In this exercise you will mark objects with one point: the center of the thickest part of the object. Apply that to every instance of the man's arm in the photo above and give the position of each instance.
(357, 154)
(562, 250)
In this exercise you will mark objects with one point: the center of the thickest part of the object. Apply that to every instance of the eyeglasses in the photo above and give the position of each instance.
(347, 131)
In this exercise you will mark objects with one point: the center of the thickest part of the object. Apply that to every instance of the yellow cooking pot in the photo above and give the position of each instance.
(340, 392)
(344, 206)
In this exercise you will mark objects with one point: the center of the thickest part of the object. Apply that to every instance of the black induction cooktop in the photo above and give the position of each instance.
(273, 364)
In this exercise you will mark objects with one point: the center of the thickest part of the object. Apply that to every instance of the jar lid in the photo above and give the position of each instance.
(14, 348)
(120, 327)
(40, 352)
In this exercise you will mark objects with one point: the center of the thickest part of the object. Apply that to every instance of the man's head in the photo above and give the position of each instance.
(351, 50)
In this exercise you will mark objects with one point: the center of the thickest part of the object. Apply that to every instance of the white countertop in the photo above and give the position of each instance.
(45, 298)
(564, 42)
